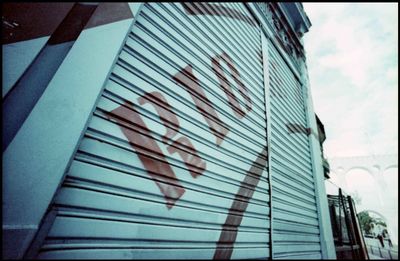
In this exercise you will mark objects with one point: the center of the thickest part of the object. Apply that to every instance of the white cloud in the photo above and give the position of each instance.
(352, 52)
(353, 68)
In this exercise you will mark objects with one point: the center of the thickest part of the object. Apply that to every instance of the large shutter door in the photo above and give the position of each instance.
(295, 220)
(173, 162)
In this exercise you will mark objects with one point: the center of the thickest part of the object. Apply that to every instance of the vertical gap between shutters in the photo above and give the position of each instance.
(265, 61)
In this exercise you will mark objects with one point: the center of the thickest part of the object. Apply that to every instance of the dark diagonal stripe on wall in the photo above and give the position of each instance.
(239, 206)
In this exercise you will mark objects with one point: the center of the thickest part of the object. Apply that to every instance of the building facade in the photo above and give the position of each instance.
(160, 131)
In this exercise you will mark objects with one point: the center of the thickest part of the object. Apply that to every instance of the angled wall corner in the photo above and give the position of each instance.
(35, 161)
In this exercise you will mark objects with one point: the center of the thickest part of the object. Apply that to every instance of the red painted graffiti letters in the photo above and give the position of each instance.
(226, 87)
(194, 163)
(165, 112)
(190, 83)
(157, 167)
(156, 164)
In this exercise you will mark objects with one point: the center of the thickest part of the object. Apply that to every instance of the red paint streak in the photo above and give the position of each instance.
(239, 206)
(190, 83)
(158, 168)
(233, 101)
(216, 10)
(297, 128)
(165, 112)
(194, 163)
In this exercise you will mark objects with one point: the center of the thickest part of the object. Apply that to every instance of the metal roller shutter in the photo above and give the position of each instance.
(173, 163)
(295, 221)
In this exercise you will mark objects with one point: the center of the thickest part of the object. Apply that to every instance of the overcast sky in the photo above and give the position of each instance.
(352, 57)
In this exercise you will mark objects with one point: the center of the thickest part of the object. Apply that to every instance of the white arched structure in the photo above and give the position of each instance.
(376, 166)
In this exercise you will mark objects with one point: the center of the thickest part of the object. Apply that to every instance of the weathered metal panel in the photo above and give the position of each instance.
(35, 161)
(173, 162)
(24, 36)
(295, 217)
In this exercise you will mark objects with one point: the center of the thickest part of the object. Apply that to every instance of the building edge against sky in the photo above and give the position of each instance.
(167, 131)
(361, 121)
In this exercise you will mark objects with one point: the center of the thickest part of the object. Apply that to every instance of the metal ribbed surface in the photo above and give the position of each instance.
(110, 205)
(295, 220)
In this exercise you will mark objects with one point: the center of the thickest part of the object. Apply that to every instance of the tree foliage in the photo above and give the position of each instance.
(367, 222)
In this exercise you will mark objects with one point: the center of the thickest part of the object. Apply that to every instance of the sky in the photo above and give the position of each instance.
(352, 58)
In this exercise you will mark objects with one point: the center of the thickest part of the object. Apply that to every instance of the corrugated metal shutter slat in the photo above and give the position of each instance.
(295, 217)
(224, 44)
(238, 138)
(111, 205)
